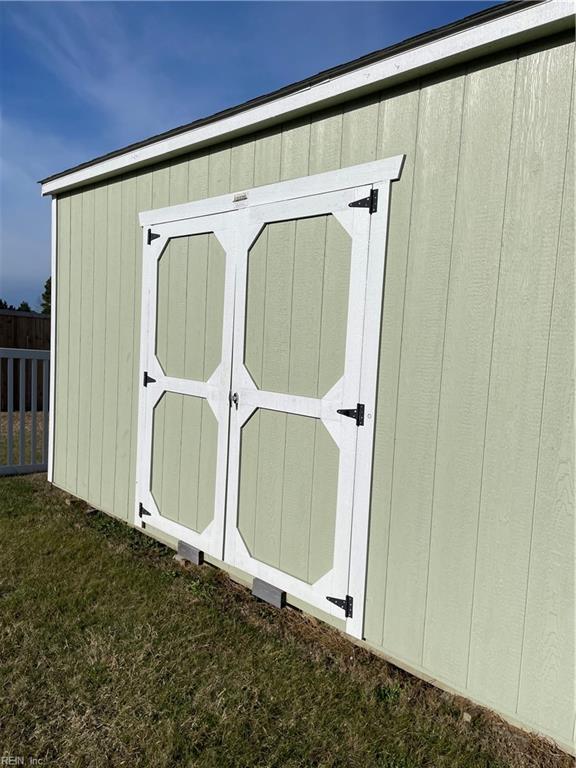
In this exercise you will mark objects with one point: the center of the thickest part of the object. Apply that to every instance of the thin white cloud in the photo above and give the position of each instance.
(24, 215)
(115, 71)
(88, 50)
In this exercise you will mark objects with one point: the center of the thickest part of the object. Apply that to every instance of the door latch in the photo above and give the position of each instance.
(233, 399)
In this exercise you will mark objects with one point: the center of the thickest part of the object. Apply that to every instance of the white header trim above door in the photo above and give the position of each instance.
(319, 183)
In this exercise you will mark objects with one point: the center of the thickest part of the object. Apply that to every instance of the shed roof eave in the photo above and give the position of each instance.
(449, 45)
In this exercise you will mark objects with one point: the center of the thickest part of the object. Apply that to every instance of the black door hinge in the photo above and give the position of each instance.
(151, 236)
(354, 413)
(142, 511)
(346, 604)
(148, 379)
(370, 202)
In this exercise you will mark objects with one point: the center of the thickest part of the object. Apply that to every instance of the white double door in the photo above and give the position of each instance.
(260, 332)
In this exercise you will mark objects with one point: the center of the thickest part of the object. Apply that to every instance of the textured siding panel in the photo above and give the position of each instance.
(267, 156)
(398, 121)
(129, 244)
(188, 345)
(288, 482)
(526, 279)
(437, 153)
(326, 143)
(85, 330)
(471, 561)
(185, 435)
(465, 367)
(242, 165)
(112, 299)
(98, 346)
(190, 307)
(295, 159)
(360, 133)
(198, 174)
(547, 690)
(297, 305)
(219, 171)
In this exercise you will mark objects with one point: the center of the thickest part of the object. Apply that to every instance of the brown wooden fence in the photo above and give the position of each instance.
(22, 330)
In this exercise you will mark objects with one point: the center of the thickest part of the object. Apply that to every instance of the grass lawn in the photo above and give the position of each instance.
(111, 654)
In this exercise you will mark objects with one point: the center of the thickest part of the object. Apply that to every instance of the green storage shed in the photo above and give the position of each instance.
(325, 340)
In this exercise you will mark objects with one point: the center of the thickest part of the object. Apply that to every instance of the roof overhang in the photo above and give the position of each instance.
(451, 45)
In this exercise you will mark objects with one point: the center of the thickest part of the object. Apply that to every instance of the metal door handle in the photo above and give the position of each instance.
(234, 400)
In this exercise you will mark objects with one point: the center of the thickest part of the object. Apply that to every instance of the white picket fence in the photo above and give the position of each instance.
(24, 401)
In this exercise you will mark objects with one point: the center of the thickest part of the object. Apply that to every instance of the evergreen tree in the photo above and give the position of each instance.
(46, 297)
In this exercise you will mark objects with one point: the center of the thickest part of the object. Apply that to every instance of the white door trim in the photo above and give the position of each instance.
(368, 392)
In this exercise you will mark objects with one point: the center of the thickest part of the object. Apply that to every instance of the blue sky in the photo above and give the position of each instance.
(80, 79)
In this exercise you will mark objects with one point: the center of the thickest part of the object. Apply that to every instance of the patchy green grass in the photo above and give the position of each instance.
(111, 654)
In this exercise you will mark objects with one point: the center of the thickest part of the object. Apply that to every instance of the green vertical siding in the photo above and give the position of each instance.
(466, 350)
(86, 264)
(184, 448)
(130, 247)
(471, 560)
(190, 307)
(296, 313)
(461, 544)
(94, 443)
(112, 299)
(297, 306)
(288, 493)
(398, 120)
(433, 196)
(517, 371)
(546, 685)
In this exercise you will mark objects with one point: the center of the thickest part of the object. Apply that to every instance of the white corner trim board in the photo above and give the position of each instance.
(52, 340)
(475, 41)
